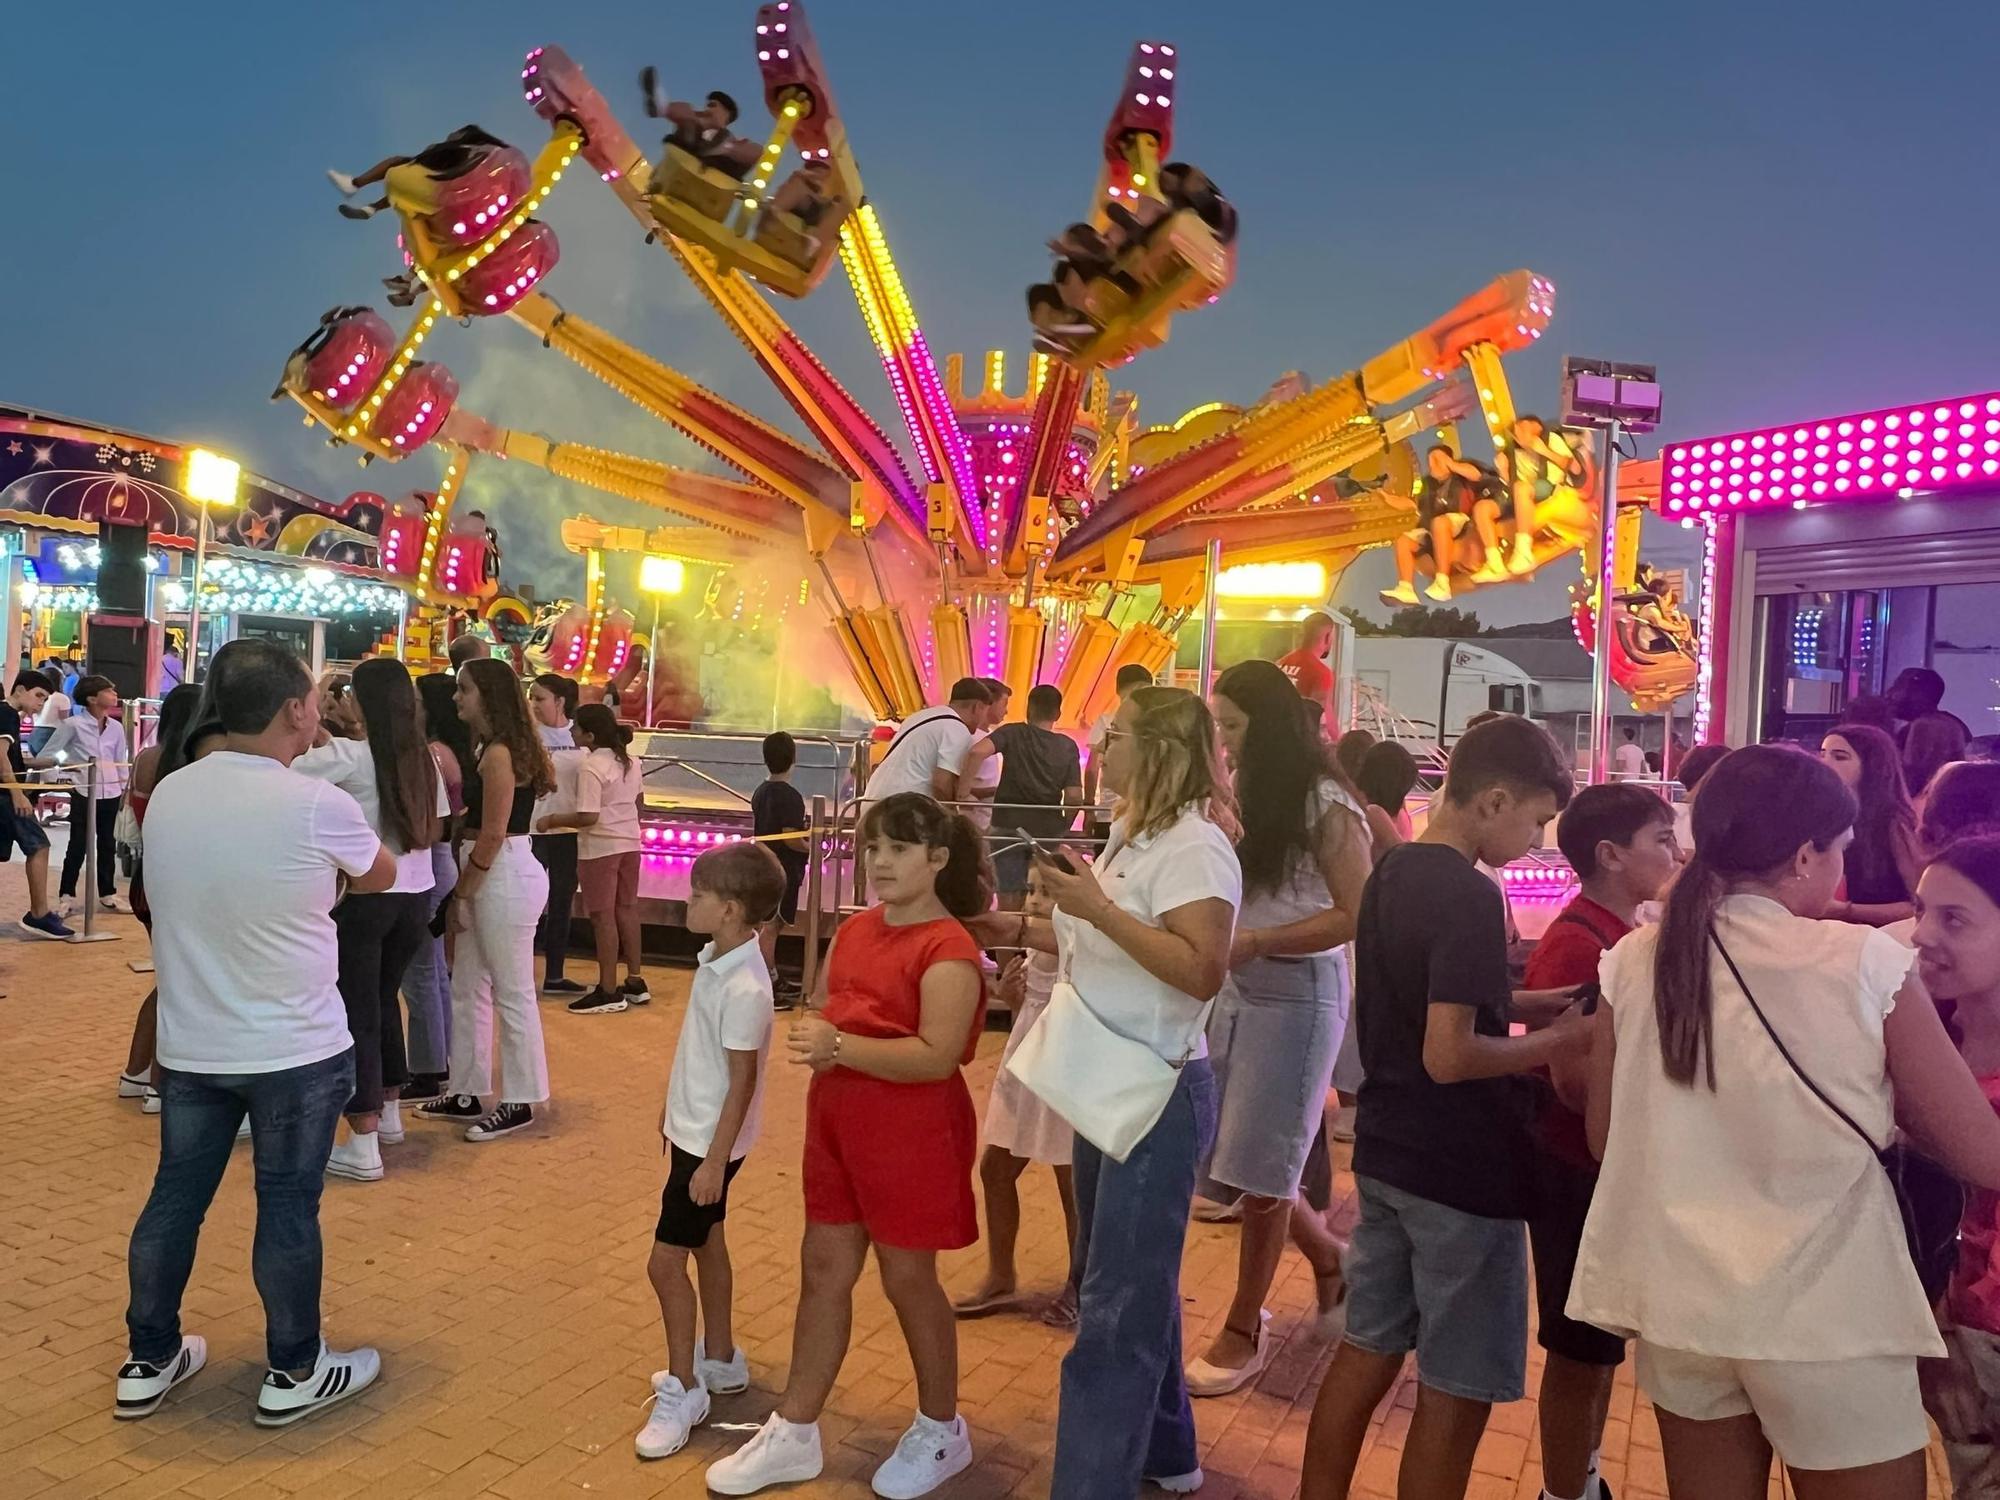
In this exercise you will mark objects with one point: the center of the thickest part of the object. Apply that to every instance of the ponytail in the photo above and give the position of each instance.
(601, 724)
(1683, 998)
(1756, 810)
(965, 884)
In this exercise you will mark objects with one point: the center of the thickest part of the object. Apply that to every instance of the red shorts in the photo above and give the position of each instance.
(608, 882)
(895, 1158)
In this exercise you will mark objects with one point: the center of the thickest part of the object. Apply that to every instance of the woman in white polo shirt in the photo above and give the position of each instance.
(1742, 1229)
(1145, 939)
(388, 770)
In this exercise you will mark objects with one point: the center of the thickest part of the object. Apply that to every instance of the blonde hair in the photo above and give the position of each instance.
(1176, 760)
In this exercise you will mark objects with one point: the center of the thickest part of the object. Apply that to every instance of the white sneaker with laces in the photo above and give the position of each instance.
(358, 1158)
(150, 1105)
(142, 1386)
(134, 1086)
(390, 1127)
(343, 182)
(1493, 570)
(781, 1453)
(927, 1455)
(1402, 593)
(1439, 588)
(677, 1411)
(1522, 559)
(722, 1377)
(335, 1377)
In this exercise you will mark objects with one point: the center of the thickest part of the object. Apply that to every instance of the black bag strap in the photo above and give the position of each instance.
(1576, 918)
(935, 716)
(1785, 1052)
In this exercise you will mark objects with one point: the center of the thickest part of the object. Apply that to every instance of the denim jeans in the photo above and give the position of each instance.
(292, 1115)
(427, 982)
(1125, 1414)
(556, 852)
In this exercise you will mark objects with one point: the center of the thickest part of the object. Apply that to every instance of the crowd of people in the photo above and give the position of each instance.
(1737, 1113)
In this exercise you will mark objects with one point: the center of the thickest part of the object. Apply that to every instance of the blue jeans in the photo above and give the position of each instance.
(427, 983)
(292, 1115)
(1125, 1414)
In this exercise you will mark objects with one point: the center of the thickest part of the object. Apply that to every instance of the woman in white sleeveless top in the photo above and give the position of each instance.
(1742, 1230)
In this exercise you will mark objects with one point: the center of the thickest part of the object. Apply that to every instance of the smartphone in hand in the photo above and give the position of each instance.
(1587, 995)
(1051, 854)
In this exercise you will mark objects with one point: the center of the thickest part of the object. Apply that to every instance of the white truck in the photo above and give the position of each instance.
(1423, 691)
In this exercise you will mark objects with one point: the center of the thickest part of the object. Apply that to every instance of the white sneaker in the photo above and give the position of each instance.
(111, 903)
(358, 1158)
(781, 1453)
(142, 1387)
(1402, 593)
(1178, 1484)
(1522, 560)
(928, 1454)
(1439, 588)
(342, 181)
(335, 1377)
(150, 1105)
(390, 1127)
(131, 1086)
(676, 1412)
(1493, 570)
(721, 1377)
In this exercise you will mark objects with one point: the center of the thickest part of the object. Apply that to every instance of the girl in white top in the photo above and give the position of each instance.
(1741, 1230)
(1144, 937)
(389, 771)
(605, 823)
(1279, 1021)
(1020, 1129)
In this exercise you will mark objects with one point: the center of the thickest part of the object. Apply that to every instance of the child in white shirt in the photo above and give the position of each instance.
(714, 1103)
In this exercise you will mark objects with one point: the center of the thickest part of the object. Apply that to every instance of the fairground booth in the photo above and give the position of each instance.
(1840, 549)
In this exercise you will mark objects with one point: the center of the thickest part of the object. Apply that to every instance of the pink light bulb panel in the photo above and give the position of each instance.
(1935, 446)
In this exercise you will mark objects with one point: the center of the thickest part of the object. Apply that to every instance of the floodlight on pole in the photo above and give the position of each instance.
(658, 576)
(210, 479)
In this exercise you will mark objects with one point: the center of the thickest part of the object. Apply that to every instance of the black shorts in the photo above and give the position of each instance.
(684, 1222)
(1555, 1230)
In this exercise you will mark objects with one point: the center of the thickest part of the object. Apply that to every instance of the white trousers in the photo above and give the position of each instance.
(493, 970)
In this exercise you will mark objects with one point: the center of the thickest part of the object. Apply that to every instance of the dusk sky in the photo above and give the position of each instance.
(1787, 208)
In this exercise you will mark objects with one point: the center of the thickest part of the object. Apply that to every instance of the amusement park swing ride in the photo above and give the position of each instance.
(1034, 516)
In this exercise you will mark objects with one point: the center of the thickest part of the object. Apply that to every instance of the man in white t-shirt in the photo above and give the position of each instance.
(1629, 760)
(247, 860)
(929, 751)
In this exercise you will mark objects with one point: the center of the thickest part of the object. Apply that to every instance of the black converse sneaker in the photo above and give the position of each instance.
(599, 1002)
(143, 1386)
(450, 1107)
(334, 1377)
(505, 1119)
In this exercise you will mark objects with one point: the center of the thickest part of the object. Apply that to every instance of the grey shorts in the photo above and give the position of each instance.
(1453, 1286)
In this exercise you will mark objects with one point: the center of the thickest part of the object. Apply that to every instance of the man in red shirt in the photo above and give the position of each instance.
(1619, 839)
(1307, 668)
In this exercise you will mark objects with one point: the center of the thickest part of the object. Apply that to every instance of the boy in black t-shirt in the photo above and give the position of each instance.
(777, 807)
(1441, 1150)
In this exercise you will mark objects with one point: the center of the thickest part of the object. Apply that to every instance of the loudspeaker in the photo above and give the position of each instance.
(121, 569)
(125, 648)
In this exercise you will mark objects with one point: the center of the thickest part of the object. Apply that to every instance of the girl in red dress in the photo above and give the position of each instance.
(890, 1138)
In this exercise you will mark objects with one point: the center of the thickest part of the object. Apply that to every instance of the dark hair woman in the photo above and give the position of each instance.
(1740, 1223)
(1883, 861)
(383, 764)
(1145, 936)
(501, 891)
(602, 824)
(149, 767)
(427, 982)
(1277, 1025)
(1932, 742)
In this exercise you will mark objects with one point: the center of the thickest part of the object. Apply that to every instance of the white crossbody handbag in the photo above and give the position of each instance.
(1110, 1088)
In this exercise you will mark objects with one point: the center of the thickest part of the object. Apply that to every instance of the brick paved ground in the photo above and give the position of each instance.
(504, 1286)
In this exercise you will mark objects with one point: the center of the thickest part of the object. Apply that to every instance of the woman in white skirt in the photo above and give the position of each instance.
(1278, 1023)
(1021, 1129)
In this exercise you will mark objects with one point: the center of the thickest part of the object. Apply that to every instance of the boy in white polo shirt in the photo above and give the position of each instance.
(714, 1103)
